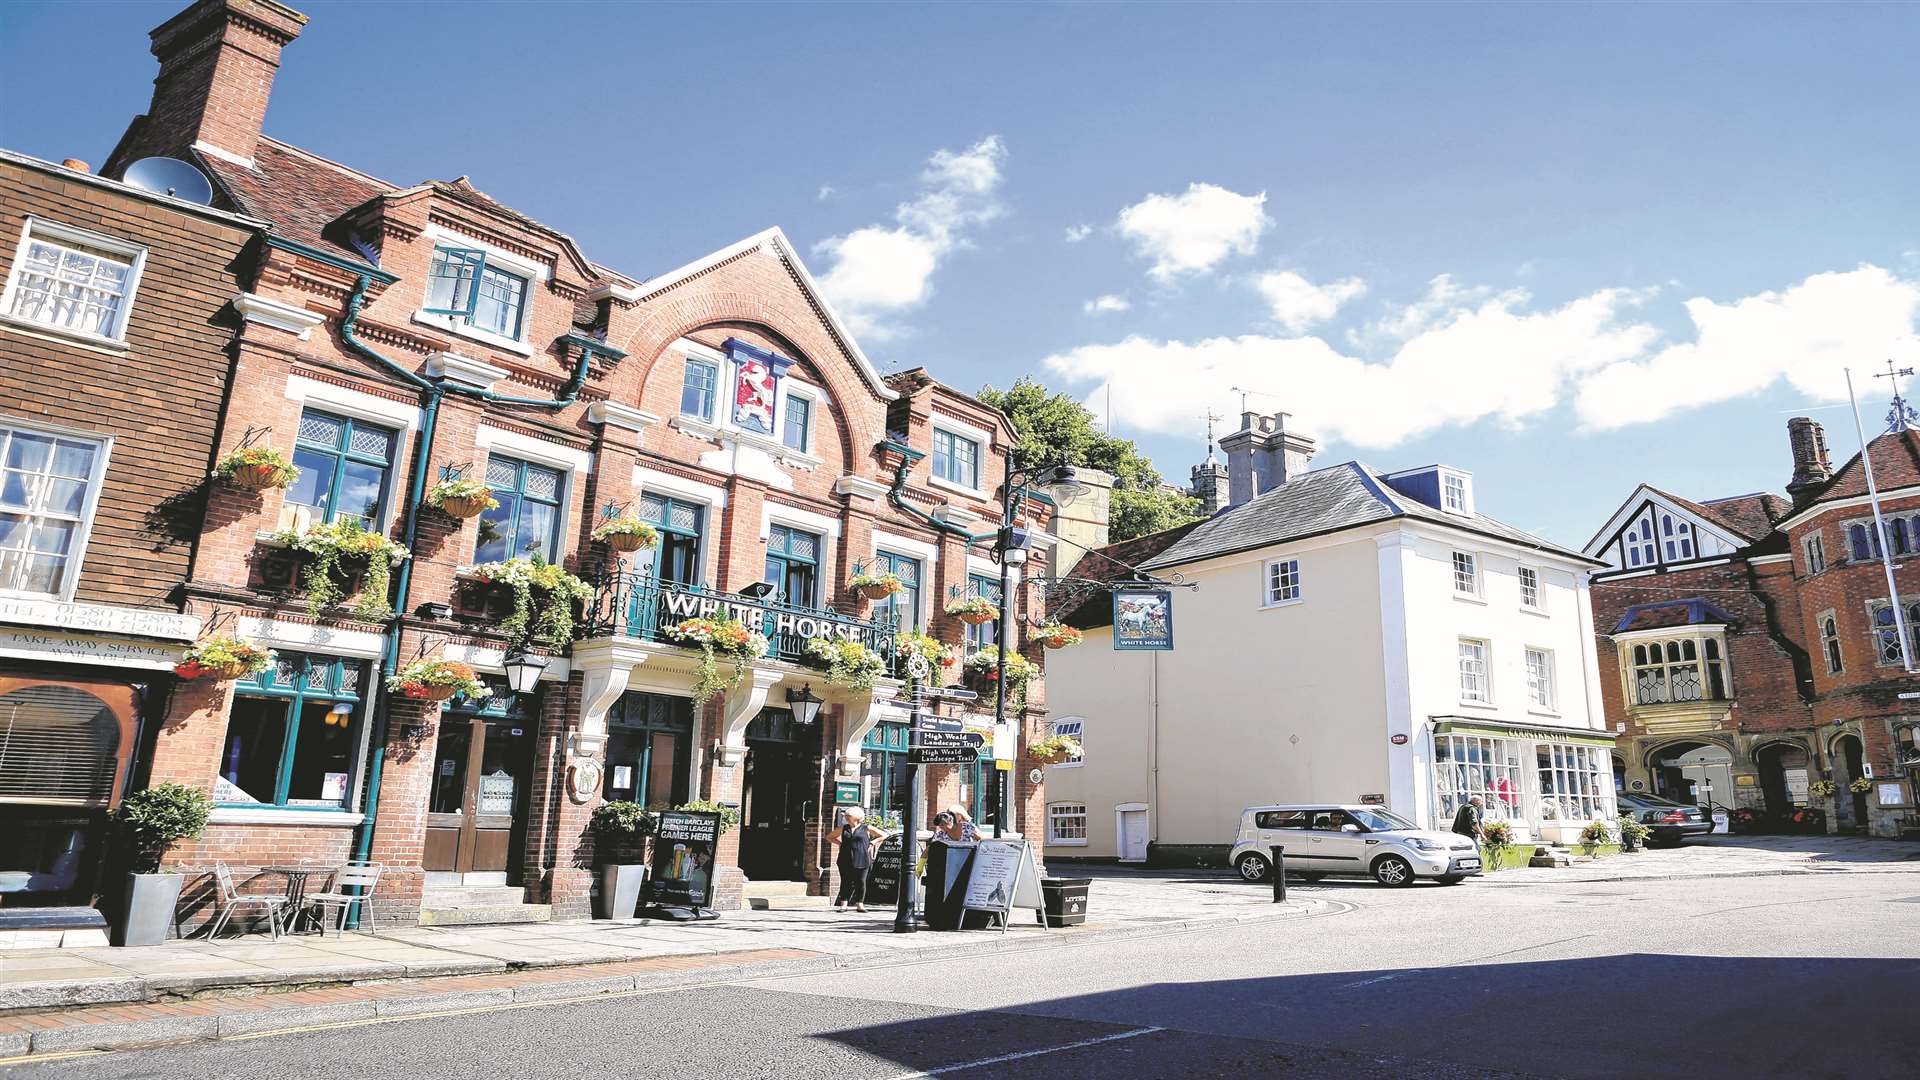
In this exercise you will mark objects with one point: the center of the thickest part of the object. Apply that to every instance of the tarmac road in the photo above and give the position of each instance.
(1746, 977)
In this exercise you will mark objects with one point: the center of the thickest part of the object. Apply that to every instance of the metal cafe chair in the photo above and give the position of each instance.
(362, 875)
(232, 899)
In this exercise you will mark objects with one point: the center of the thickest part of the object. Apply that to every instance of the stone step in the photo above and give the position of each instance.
(486, 915)
(448, 896)
(773, 888)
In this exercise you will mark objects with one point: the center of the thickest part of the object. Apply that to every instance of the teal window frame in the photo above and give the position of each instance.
(512, 509)
(948, 458)
(471, 280)
(297, 692)
(796, 427)
(341, 453)
(709, 393)
(986, 633)
(663, 521)
(882, 751)
(781, 554)
(910, 571)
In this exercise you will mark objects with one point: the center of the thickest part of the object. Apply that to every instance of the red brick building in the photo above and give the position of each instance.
(391, 336)
(114, 294)
(1749, 652)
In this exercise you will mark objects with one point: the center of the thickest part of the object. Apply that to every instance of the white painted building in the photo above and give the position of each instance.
(1352, 636)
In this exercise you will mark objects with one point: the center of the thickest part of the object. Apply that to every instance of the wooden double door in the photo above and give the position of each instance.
(476, 811)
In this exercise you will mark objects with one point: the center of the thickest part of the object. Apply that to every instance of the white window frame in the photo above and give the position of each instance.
(1537, 604)
(1545, 677)
(1054, 816)
(76, 558)
(982, 440)
(1476, 765)
(1465, 480)
(813, 396)
(68, 235)
(1075, 726)
(1474, 575)
(1274, 583)
(1485, 661)
(535, 273)
(1568, 765)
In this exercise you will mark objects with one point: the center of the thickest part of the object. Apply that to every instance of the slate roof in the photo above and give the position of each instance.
(1327, 500)
(300, 193)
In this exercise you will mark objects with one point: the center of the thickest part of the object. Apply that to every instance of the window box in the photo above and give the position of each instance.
(522, 599)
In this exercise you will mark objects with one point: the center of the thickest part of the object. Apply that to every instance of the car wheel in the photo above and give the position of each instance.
(1393, 870)
(1252, 867)
(1451, 879)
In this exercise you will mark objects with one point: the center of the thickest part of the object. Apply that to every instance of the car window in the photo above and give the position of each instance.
(1281, 819)
(1328, 820)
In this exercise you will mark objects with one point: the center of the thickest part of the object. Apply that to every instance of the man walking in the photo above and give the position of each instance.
(1467, 821)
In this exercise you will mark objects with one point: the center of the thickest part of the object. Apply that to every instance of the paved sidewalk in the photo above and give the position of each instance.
(64, 999)
(1732, 856)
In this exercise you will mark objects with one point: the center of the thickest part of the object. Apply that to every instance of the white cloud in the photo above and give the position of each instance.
(1192, 232)
(880, 271)
(1101, 305)
(827, 191)
(1298, 303)
(1469, 354)
(1077, 233)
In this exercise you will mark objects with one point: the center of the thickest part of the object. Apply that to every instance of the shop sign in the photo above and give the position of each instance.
(846, 792)
(684, 842)
(686, 605)
(1143, 620)
(100, 619)
(50, 647)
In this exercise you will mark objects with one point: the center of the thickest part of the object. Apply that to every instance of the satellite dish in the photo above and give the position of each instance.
(170, 176)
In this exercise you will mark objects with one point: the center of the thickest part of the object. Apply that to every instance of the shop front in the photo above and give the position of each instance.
(1550, 784)
(482, 779)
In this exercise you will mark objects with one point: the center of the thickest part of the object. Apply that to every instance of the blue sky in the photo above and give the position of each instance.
(1570, 248)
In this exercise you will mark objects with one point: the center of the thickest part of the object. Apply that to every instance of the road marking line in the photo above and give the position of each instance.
(1004, 1058)
(1370, 982)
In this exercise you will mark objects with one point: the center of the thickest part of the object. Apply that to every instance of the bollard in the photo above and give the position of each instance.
(1279, 875)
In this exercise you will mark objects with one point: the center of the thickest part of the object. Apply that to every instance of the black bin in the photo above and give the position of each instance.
(1065, 901)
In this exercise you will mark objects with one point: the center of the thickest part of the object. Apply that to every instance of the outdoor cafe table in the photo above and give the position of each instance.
(297, 875)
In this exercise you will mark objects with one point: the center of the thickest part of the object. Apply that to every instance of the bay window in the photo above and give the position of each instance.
(293, 734)
(1886, 632)
(1679, 670)
(48, 484)
(1572, 787)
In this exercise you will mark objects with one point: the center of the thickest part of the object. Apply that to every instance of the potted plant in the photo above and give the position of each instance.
(729, 815)
(973, 610)
(225, 657)
(256, 468)
(626, 535)
(151, 822)
(984, 668)
(849, 663)
(543, 598)
(333, 549)
(1822, 789)
(433, 679)
(1496, 837)
(461, 498)
(1054, 749)
(620, 829)
(718, 637)
(1632, 833)
(1860, 785)
(935, 652)
(1057, 635)
(1594, 836)
(877, 586)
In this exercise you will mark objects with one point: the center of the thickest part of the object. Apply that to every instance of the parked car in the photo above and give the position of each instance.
(1671, 822)
(1321, 839)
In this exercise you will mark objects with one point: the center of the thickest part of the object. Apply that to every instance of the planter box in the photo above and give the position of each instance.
(620, 885)
(147, 917)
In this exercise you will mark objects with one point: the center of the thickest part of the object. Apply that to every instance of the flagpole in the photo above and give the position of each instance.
(1881, 538)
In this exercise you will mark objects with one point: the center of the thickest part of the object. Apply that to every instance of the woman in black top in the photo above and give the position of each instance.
(856, 839)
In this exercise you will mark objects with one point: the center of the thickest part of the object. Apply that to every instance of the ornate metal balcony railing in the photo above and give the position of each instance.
(638, 605)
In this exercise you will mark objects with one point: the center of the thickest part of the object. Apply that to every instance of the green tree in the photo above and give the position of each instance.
(1056, 429)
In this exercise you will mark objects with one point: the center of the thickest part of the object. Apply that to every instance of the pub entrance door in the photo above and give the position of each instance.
(476, 812)
(782, 789)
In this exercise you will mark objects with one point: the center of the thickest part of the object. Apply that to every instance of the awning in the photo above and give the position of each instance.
(1474, 725)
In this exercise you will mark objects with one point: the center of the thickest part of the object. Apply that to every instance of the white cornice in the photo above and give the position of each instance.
(465, 370)
(612, 413)
(957, 516)
(277, 313)
(859, 487)
(613, 290)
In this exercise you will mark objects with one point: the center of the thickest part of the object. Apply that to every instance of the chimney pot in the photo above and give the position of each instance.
(1811, 466)
(76, 165)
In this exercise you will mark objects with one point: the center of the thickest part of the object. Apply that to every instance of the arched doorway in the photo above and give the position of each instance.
(1692, 772)
(1619, 774)
(1847, 757)
(1783, 777)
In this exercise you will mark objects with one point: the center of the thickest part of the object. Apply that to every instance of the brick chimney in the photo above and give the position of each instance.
(1810, 465)
(217, 62)
(1262, 455)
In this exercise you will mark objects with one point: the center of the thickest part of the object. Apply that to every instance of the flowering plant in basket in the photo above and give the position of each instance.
(974, 610)
(1497, 837)
(849, 663)
(330, 544)
(256, 468)
(1860, 785)
(877, 586)
(1057, 635)
(543, 596)
(936, 653)
(225, 656)
(727, 637)
(626, 534)
(461, 498)
(1594, 835)
(1054, 749)
(1821, 789)
(437, 680)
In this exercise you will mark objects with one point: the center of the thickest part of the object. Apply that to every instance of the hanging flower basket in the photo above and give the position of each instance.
(849, 663)
(1057, 635)
(1822, 789)
(974, 610)
(437, 680)
(462, 499)
(543, 598)
(329, 546)
(1054, 749)
(224, 657)
(626, 535)
(718, 637)
(1860, 785)
(877, 586)
(256, 468)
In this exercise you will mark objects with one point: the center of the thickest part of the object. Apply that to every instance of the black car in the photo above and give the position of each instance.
(1670, 821)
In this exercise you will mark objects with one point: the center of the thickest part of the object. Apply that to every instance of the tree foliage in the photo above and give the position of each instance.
(1056, 429)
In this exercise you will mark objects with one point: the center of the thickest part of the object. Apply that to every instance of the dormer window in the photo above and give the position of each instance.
(1456, 495)
(485, 296)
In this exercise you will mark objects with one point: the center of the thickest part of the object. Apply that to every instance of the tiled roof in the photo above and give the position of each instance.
(1753, 515)
(1692, 611)
(300, 193)
(1896, 464)
(1738, 524)
(1081, 602)
(1323, 501)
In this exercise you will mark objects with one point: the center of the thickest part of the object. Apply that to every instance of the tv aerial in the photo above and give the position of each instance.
(171, 177)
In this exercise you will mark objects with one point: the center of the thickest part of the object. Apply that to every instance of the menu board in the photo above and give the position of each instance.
(683, 845)
(884, 880)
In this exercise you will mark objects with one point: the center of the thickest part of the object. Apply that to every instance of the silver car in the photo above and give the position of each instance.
(1318, 839)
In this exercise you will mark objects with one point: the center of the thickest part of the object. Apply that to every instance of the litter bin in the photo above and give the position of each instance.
(1064, 901)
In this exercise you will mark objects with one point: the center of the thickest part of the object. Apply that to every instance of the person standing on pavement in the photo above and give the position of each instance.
(1467, 821)
(963, 830)
(856, 839)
